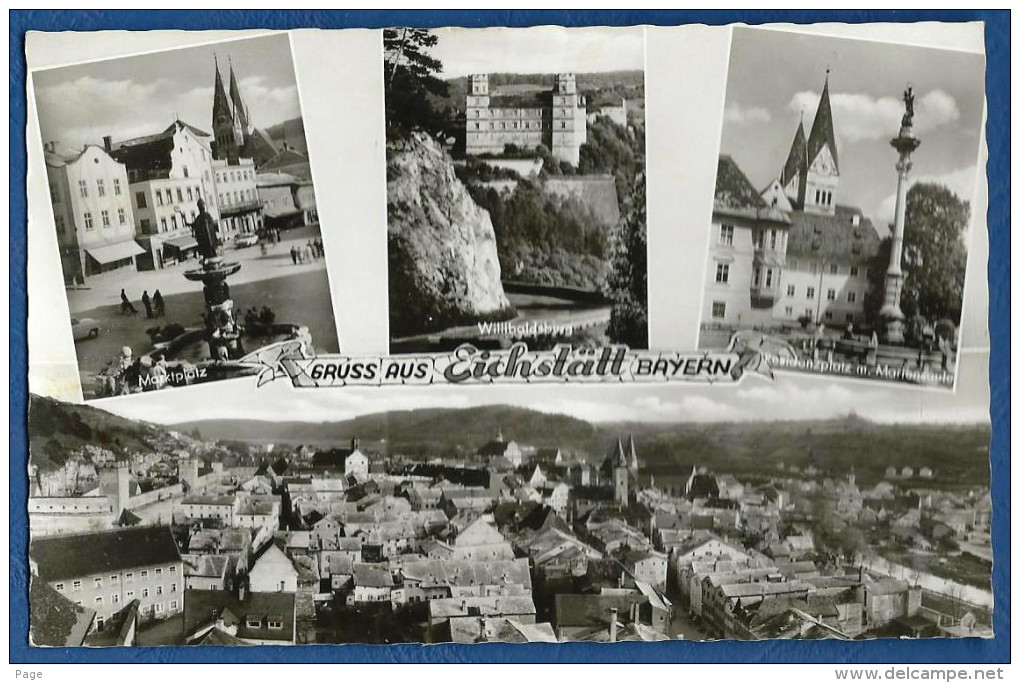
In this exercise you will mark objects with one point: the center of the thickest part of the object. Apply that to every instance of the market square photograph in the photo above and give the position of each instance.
(185, 212)
(842, 205)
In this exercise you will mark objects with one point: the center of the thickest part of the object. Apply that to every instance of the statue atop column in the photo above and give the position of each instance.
(908, 100)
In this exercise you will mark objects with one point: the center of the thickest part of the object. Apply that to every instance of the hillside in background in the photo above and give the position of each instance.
(56, 429)
(291, 131)
(958, 454)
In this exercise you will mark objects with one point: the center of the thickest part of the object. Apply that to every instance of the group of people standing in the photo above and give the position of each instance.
(312, 251)
(155, 307)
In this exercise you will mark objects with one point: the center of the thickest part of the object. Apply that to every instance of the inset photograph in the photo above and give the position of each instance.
(842, 205)
(515, 187)
(185, 212)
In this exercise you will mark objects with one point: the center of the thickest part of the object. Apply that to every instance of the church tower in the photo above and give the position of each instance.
(822, 178)
(240, 111)
(621, 475)
(227, 130)
(810, 176)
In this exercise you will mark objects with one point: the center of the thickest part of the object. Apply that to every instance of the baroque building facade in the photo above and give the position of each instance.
(789, 252)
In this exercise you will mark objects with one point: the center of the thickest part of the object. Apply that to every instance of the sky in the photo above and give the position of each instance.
(143, 94)
(774, 75)
(542, 49)
(789, 397)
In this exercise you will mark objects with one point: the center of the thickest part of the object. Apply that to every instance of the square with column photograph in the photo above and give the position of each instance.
(185, 212)
(842, 205)
(515, 187)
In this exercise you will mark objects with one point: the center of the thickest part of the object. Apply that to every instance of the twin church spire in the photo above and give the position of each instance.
(810, 175)
(230, 122)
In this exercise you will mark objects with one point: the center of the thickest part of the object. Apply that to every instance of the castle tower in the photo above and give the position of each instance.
(821, 179)
(115, 481)
(621, 475)
(227, 131)
(566, 128)
(478, 136)
(188, 472)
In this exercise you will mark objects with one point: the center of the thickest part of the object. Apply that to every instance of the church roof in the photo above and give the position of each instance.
(735, 195)
(836, 236)
(822, 131)
(798, 157)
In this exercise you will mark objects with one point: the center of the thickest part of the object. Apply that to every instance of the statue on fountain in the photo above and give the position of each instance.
(204, 230)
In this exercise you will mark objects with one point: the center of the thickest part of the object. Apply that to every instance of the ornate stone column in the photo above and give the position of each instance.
(905, 143)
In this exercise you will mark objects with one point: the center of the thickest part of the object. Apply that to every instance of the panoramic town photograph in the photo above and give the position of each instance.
(184, 211)
(515, 187)
(521, 515)
(842, 205)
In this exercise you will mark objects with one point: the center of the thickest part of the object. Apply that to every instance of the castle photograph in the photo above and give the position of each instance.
(184, 213)
(516, 187)
(842, 206)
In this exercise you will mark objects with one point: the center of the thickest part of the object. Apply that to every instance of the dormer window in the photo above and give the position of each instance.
(253, 622)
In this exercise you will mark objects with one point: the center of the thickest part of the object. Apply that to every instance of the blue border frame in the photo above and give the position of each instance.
(928, 651)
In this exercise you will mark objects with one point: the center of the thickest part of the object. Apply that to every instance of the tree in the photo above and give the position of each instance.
(934, 254)
(628, 282)
(411, 82)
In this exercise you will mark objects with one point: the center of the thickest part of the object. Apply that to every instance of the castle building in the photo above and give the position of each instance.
(526, 119)
(789, 252)
(92, 211)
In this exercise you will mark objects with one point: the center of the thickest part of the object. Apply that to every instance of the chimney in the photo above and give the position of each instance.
(241, 588)
(612, 625)
(108, 143)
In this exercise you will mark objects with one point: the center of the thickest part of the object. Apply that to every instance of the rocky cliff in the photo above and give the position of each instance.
(444, 270)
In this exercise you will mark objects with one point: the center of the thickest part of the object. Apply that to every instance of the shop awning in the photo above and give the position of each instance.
(181, 243)
(115, 252)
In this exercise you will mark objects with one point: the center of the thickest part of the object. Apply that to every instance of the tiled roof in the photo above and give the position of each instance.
(202, 607)
(823, 236)
(736, 196)
(54, 620)
(65, 557)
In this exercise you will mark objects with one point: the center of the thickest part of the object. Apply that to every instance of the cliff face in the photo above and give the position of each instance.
(444, 269)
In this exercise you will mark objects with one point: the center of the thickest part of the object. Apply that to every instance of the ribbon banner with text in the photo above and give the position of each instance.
(468, 364)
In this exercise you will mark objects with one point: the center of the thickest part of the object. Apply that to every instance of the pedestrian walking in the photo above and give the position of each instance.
(126, 307)
(158, 305)
(147, 302)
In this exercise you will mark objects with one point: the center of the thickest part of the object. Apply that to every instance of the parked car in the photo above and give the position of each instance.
(249, 240)
(84, 328)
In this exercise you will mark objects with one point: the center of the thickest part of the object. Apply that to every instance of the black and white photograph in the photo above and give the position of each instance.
(185, 213)
(842, 206)
(518, 514)
(515, 164)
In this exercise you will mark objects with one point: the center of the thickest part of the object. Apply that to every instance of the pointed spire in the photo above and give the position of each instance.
(620, 459)
(221, 104)
(797, 159)
(822, 131)
(633, 453)
(240, 111)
